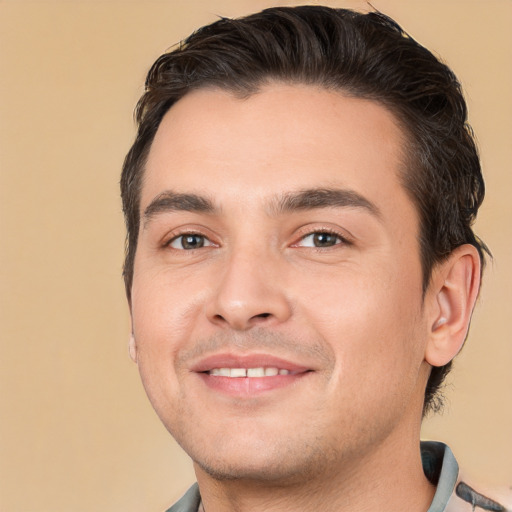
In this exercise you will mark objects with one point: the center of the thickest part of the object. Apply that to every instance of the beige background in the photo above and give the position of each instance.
(76, 431)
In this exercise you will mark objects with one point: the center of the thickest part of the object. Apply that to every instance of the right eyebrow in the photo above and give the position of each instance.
(170, 201)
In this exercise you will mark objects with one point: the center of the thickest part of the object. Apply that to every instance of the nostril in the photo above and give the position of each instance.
(263, 315)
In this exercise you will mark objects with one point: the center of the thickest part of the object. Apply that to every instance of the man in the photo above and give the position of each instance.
(301, 268)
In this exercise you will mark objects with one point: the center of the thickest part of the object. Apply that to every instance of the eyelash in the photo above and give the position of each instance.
(191, 234)
(341, 240)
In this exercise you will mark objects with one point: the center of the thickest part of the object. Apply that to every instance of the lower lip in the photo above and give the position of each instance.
(248, 386)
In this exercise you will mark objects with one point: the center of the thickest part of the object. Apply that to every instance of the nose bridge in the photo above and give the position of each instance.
(249, 291)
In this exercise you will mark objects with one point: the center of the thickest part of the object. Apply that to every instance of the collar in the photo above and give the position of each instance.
(442, 470)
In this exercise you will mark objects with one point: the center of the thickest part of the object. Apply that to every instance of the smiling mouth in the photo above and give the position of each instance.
(248, 372)
(248, 375)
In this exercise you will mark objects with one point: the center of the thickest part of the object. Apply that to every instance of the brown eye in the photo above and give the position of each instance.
(325, 239)
(320, 239)
(189, 241)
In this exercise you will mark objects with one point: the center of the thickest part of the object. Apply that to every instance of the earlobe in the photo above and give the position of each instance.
(454, 289)
(132, 348)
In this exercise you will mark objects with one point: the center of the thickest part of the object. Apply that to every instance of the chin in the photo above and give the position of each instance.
(276, 462)
(227, 471)
(269, 472)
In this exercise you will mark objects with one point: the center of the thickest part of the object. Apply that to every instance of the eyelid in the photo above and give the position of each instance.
(344, 238)
(189, 231)
(206, 242)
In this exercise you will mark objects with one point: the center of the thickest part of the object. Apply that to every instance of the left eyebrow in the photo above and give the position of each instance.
(316, 198)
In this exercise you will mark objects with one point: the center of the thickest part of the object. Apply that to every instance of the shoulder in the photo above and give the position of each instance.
(189, 502)
(455, 492)
(468, 496)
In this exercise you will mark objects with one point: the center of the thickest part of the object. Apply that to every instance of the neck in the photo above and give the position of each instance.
(389, 479)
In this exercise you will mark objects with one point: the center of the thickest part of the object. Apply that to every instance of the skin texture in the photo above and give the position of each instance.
(350, 315)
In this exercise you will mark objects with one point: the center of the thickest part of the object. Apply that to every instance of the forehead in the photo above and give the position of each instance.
(282, 138)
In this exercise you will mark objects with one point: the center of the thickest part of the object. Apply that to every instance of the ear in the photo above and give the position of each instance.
(132, 348)
(452, 294)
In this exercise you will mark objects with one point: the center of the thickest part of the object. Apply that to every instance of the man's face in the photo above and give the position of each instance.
(277, 292)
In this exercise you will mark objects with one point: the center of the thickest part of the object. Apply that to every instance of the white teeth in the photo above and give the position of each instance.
(249, 372)
(255, 372)
(221, 372)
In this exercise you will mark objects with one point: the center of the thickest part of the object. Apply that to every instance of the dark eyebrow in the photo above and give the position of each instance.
(170, 201)
(322, 198)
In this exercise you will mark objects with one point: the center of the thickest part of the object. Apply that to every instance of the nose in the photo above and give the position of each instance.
(249, 292)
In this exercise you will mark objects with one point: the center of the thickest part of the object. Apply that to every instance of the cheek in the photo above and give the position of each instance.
(160, 329)
(164, 306)
(372, 320)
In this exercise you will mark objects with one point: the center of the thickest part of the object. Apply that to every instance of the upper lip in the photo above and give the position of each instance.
(228, 360)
